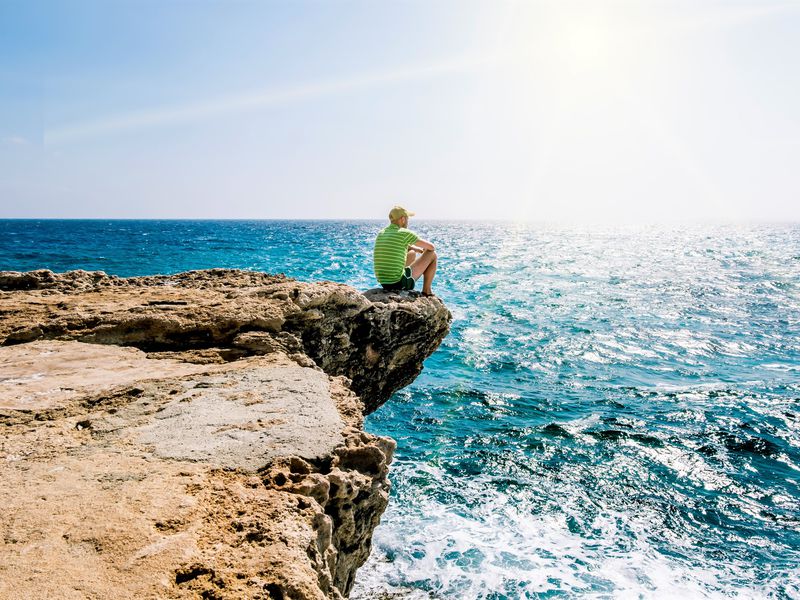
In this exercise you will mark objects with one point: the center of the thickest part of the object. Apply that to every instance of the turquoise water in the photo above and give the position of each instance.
(616, 412)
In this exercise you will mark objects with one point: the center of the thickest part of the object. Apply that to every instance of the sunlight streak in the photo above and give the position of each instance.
(254, 100)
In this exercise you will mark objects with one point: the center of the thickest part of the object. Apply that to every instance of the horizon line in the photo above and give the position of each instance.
(789, 221)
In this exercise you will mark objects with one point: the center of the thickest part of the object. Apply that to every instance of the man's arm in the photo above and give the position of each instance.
(421, 245)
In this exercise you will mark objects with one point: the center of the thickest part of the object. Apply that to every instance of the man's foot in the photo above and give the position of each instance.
(428, 294)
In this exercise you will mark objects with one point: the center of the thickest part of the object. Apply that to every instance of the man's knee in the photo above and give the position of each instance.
(432, 261)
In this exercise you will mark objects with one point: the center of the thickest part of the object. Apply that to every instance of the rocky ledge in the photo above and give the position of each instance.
(196, 435)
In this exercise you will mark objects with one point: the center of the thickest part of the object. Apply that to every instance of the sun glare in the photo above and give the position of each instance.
(585, 44)
(572, 48)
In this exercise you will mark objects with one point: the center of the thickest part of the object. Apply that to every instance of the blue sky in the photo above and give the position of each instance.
(545, 111)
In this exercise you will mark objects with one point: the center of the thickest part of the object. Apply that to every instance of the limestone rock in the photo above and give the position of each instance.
(377, 339)
(196, 435)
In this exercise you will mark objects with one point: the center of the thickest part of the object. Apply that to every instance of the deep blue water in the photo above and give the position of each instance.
(616, 412)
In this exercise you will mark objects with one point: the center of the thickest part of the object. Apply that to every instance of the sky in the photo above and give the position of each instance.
(624, 111)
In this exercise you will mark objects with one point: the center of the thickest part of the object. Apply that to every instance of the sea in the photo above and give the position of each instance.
(615, 413)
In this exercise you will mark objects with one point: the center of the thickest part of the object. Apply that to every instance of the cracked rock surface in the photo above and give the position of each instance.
(197, 435)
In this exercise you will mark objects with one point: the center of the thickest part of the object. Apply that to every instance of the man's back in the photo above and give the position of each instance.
(391, 249)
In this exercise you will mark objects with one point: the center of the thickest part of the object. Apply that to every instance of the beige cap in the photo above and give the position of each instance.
(399, 211)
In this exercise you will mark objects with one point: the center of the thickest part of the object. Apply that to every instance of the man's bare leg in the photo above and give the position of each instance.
(428, 276)
(410, 257)
(425, 266)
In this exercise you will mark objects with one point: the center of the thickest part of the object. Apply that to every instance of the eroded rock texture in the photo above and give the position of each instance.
(197, 435)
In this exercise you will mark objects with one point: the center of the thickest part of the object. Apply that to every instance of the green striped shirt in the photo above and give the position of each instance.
(391, 248)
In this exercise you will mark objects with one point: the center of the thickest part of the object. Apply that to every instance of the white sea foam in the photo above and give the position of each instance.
(498, 549)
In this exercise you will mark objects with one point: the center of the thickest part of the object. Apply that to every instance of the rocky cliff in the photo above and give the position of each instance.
(196, 435)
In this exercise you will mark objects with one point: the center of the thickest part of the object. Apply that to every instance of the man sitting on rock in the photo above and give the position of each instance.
(401, 257)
